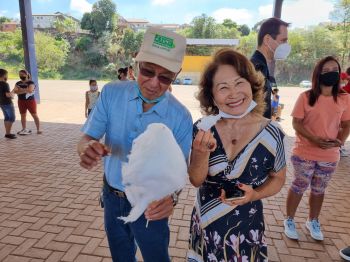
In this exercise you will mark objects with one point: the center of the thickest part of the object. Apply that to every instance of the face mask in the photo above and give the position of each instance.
(252, 105)
(23, 78)
(329, 78)
(93, 88)
(208, 121)
(282, 51)
(148, 101)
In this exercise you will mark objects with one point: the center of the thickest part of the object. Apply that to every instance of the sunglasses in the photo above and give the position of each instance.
(150, 74)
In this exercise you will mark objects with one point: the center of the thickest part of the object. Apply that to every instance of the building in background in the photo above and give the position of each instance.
(47, 21)
(9, 26)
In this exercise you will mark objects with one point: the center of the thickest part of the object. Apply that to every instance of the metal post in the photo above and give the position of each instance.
(276, 12)
(28, 43)
(277, 8)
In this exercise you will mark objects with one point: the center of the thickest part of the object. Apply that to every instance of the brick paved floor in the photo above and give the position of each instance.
(49, 206)
(49, 209)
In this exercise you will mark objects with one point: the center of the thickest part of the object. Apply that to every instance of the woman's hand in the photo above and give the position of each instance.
(322, 143)
(249, 195)
(204, 142)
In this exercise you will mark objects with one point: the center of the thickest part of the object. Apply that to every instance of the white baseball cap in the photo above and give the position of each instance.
(162, 47)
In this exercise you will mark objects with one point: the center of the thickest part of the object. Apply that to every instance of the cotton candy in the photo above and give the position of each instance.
(156, 168)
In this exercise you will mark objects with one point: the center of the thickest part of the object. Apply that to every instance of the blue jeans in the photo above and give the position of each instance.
(153, 241)
(9, 112)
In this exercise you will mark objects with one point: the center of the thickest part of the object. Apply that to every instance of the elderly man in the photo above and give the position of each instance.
(122, 113)
(272, 45)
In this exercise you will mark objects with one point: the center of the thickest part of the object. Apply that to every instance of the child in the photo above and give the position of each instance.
(6, 104)
(276, 106)
(25, 90)
(91, 97)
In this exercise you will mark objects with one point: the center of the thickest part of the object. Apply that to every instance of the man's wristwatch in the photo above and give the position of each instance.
(175, 198)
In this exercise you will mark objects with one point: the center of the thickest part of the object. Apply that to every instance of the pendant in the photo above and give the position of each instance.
(234, 141)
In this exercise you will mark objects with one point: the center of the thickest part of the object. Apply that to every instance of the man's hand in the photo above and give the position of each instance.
(92, 153)
(160, 209)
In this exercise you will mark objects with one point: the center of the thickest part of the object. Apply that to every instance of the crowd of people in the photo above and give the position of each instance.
(25, 90)
(234, 164)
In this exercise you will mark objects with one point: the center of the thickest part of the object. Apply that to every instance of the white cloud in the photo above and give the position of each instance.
(240, 16)
(3, 12)
(265, 11)
(162, 2)
(301, 13)
(189, 17)
(80, 6)
(17, 15)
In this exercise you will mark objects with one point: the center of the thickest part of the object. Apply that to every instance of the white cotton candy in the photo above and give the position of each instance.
(156, 169)
(207, 122)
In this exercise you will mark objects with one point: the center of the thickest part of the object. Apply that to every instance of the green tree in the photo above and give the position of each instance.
(229, 23)
(4, 19)
(66, 25)
(247, 44)
(130, 44)
(11, 47)
(244, 29)
(83, 43)
(102, 18)
(341, 15)
(51, 54)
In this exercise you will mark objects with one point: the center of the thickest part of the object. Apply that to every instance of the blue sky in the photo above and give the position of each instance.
(182, 11)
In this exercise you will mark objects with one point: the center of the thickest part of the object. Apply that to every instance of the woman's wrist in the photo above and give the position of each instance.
(339, 143)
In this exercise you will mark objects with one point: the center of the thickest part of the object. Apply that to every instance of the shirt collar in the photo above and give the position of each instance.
(160, 108)
(134, 93)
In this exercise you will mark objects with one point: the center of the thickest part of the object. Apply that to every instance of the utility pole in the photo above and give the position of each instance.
(276, 12)
(28, 43)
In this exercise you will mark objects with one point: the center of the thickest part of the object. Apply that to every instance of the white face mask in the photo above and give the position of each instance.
(252, 105)
(282, 51)
(93, 88)
(208, 121)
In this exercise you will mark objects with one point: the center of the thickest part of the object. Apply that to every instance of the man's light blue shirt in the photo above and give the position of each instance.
(118, 115)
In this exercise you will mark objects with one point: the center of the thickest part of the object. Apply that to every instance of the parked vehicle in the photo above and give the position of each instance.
(187, 81)
(305, 84)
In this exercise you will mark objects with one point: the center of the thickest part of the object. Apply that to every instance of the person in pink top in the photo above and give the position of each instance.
(321, 119)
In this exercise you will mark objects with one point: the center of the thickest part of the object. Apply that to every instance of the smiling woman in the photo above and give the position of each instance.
(234, 64)
(236, 163)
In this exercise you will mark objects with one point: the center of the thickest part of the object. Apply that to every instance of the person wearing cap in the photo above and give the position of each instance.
(123, 112)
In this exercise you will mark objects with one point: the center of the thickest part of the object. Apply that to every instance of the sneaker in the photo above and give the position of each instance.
(24, 132)
(289, 228)
(345, 253)
(314, 227)
(10, 136)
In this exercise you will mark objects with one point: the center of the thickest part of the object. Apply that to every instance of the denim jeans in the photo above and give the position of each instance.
(153, 241)
(9, 112)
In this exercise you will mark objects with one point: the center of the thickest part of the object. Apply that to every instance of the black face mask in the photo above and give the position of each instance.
(329, 78)
(23, 78)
